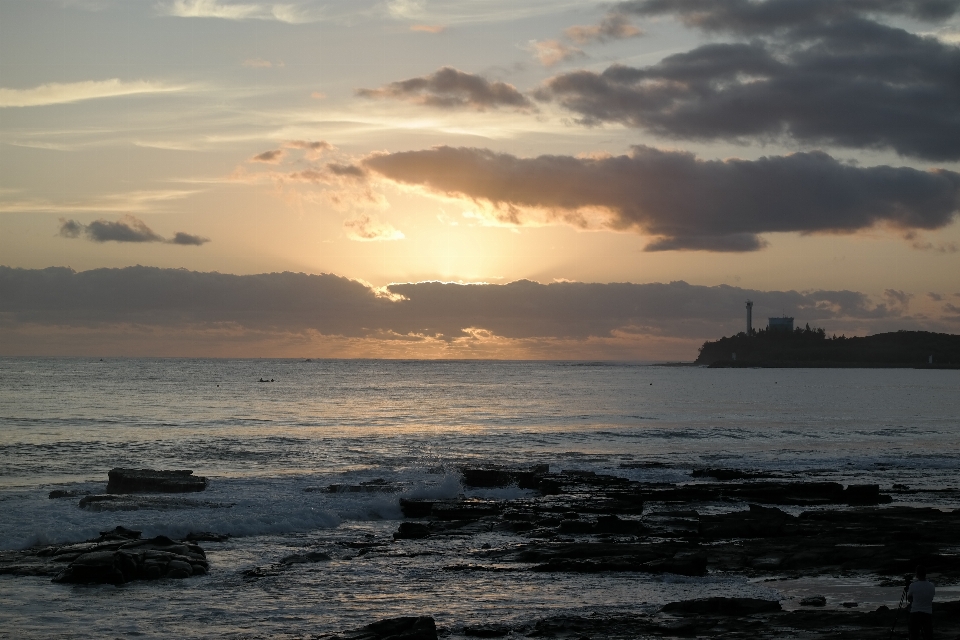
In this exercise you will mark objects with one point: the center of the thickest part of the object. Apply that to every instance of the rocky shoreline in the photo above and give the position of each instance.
(723, 522)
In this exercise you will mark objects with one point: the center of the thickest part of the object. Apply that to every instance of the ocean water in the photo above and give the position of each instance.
(65, 422)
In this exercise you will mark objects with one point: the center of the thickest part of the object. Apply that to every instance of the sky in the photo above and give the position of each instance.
(472, 178)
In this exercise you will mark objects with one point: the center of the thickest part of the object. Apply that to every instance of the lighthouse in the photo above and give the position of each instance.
(749, 318)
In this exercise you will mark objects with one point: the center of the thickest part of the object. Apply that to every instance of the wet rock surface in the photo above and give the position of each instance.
(116, 557)
(745, 524)
(739, 524)
(405, 628)
(154, 481)
(739, 618)
(588, 523)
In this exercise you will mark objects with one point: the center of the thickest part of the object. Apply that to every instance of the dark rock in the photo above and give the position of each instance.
(117, 556)
(613, 524)
(206, 536)
(65, 493)
(813, 601)
(406, 628)
(487, 630)
(113, 563)
(759, 521)
(120, 533)
(576, 527)
(495, 476)
(727, 474)
(153, 481)
(378, 485)
(416, 508)
(306, 558)
(468, 509)
(135, 502)
(411, 531)
(487, 478)
(261, 572)
(722, 607)
(864, 494)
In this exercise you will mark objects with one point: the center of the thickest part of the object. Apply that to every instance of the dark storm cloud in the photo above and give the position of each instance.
(687, 202)
(759, 17)
(449, 88)
(332, 305)
(126, 229)
(826, 76)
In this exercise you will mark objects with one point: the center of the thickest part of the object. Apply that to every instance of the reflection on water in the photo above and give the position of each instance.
(65, 422)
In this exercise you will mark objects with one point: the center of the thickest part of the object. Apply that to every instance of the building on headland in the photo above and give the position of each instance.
(749, 317)
(780, 325)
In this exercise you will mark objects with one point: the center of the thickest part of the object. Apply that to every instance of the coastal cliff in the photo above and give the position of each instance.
(813, 348)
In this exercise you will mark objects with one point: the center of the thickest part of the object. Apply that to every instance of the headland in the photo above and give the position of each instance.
(812, 348)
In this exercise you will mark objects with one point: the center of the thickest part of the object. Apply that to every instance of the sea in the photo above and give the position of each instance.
(272, 435)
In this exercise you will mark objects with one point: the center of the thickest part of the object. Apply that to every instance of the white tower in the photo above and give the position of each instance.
(749, 318)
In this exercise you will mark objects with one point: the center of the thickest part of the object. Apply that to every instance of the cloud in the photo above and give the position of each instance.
(366, 229)
(920, 244)
(63, 93)
(551, 52)
(281, 12)
(449, 88)
(269, 157)
(185, 238)
(936, 297)
(346, 170)
(686, 202)
(851, 82)
(313, 148)
(428, 28)
(750, 17)
(614, 26)
(127, 229)
(258, 63)
(898, 299)
(553, 320)
(309, 145)
(139, 201)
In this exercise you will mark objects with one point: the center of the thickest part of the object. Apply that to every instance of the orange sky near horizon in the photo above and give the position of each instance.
(745, 149)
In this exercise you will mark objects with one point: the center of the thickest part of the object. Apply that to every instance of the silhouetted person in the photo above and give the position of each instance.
(920, 597)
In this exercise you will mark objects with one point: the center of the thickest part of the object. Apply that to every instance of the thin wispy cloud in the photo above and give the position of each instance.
(281, 12)
(367, 229)
(138, 201)
(614, 26)
(259, 63)
(477, 11)
(428, 28)
(552, 52)
(67, 92)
